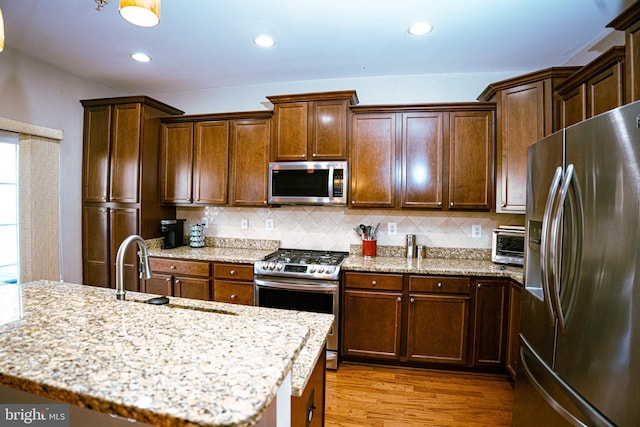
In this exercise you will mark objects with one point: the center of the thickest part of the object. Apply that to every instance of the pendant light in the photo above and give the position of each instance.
(144, 13)
(1, 32)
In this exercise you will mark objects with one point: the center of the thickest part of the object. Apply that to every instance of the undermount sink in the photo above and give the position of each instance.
(165, 301)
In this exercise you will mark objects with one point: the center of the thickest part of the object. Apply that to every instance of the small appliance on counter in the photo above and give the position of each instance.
(196, 236)
(508, 245)
(173, 232)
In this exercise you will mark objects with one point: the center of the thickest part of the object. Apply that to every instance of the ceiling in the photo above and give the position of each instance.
(209, 44)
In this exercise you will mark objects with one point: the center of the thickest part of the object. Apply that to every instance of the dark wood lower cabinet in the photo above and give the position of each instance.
(180, 278)
(307, 410)
(431, 320)
(513, 330)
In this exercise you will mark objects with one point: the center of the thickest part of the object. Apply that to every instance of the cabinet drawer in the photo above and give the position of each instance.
(392, 282)
(176, 266)
(233, 292)
(233, 271)
(441, 284)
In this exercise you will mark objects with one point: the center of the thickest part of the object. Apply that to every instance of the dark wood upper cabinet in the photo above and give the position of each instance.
(177, 163)
(311, 126)
(629, 22)
(526, 111)
(595, 88)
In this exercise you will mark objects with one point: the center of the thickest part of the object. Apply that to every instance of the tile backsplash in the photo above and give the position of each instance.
(331, 228)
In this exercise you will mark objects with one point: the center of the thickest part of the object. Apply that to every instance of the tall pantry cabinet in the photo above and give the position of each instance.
(120, 191)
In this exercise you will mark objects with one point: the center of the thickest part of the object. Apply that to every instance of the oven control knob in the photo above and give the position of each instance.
(329, 269)
(312, 269)
(320, 269)
(272, 265)
(278, 266)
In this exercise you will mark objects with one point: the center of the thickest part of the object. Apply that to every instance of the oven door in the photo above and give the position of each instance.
(317, 296)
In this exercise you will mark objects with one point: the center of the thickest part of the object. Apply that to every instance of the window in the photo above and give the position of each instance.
(9, 253)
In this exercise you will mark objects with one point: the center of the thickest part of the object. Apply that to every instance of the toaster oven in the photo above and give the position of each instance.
(508, 245)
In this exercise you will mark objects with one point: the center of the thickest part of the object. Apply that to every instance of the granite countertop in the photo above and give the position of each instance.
(79, 345)
(207, 253)
(442, 266)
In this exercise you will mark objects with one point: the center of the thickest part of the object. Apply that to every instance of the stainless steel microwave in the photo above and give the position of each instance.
(308, 183)
(508, 245)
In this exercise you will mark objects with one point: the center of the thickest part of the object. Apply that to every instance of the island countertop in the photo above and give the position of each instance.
(216, 365)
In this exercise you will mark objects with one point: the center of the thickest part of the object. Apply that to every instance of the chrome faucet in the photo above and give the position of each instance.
(144, 268)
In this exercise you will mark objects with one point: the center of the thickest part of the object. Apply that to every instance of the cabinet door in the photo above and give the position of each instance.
(250, 162)
(123, 223)
(96, 264)
(489, 322)
(291, 131)
(574, 106)
(437, 328)
(211, 158)
(470, 160)
(606, 90)
(522, 124)
(160, 284)
(125, 153)
(372, 322)
(422, 149)
(97, 146)
(177, 160)
(328, 125)
(513, 329)
(373, 160)
(189, 287)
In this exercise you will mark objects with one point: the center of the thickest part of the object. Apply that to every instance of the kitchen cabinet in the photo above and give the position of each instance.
(513, 328)
(593, 89)
(195, 158)
(437, 156)
(233, 283)
(489, 325)
(180, 278)
(438, 319)
(121, 149)
(629, 22)
(311, 126)
(373, 160)
(308, 409)
(249, 165)
(526, 111)
(372, 308)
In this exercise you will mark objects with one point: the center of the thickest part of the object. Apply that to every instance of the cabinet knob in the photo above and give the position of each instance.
(314, 155)
(353, 202)
(173, 267)
(104, 199)
(264, 202)
(177, 281)
(439, 285)
(412, 300)
(373, 283)
(439, 203)
(399, 299)
(303, 155)
(234, 296)
(168, 279)
(232, 272)
(451, 204)
(479, 285)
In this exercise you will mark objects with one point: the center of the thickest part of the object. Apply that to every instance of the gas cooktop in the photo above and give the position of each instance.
(311, 264)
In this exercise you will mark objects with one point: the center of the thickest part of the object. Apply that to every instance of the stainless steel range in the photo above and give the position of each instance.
(307, 280)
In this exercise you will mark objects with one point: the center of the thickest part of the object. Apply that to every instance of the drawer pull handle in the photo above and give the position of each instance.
(373, 283)
(439, 285)
(232, 272)
(234, 296)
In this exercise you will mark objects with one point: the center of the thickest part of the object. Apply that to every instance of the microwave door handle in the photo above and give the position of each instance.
(331, 171)
(545, 242)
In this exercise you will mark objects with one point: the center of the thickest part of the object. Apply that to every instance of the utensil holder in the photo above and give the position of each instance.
(369, 248)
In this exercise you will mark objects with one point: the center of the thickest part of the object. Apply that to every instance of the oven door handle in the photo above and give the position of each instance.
(297, 285)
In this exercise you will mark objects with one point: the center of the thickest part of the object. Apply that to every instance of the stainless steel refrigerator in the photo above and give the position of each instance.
(579, 361)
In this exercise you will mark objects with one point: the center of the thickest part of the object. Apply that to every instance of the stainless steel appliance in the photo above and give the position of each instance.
(580, 326)
(508, 245)
(308, 183)
(304, 280)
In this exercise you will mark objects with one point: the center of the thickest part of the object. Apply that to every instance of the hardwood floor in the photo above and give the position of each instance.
(380, 396)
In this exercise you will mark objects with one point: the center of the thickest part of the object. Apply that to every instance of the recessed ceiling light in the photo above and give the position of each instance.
(141, 57)
(420, 29)
(264, 41)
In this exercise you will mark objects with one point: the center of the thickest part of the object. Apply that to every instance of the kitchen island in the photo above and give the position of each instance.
(196, 363)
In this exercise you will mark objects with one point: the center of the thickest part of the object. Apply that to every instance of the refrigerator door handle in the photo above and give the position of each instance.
(555, 241)
(545, 258)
